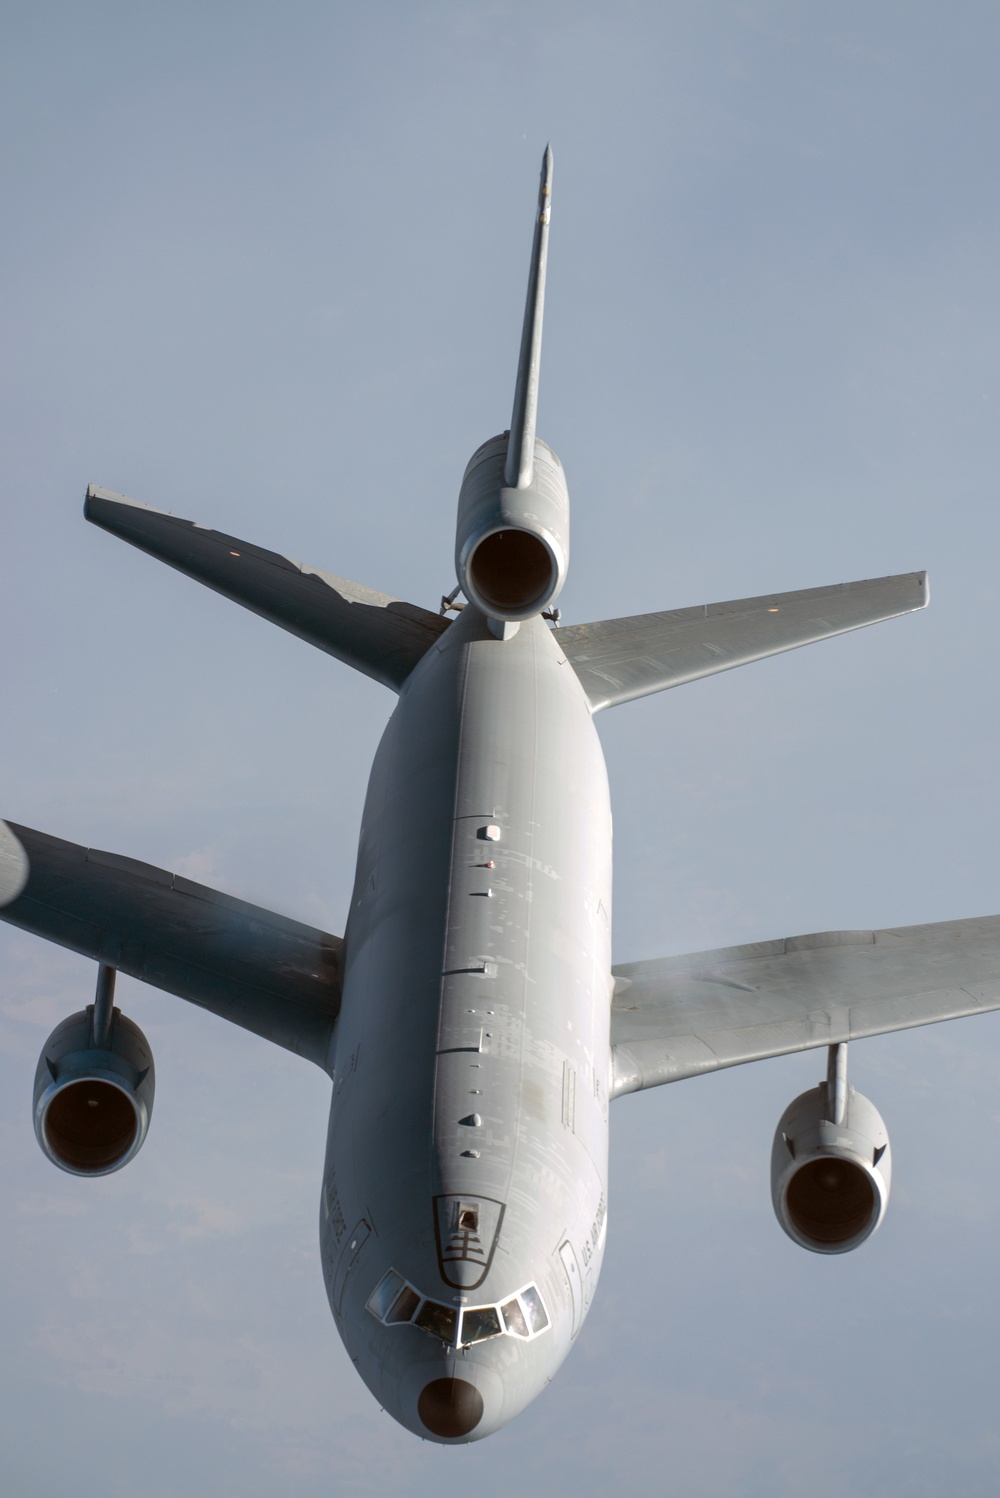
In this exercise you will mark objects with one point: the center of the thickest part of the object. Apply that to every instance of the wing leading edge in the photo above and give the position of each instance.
(677, 1017)
(618, 660)
(264, 972)
(381, 636)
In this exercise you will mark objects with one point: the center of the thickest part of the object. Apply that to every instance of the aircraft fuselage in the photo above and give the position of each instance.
(468, 1132)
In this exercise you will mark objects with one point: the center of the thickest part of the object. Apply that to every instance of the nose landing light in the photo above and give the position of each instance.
(450, 1407)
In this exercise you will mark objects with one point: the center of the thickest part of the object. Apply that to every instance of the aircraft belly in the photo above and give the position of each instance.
(472, 1051)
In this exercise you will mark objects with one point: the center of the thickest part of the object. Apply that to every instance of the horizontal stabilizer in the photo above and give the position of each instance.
(680, 1016)
(378, 635)
(262, 971)
(620, 659)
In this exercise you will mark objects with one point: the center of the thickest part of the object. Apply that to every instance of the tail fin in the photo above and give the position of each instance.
(519, 466)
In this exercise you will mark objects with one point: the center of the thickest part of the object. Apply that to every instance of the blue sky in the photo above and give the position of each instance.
(264, 266)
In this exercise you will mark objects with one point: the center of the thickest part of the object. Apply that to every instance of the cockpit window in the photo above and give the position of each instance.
(385, 1293)
(404, 1305)
(479, 1324)
(394, 1302)
(439, 1320)
(514, 1319)
(533, 1309)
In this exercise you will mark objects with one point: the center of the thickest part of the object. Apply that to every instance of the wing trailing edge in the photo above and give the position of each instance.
(378, 635)
(618, 660)
(264, 972)
(678, 1017)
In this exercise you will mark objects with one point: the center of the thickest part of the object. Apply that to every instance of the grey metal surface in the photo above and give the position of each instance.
(119, 1062)
(677, 1017)
(376, 634)
(104, 1004)
(472, 1055)
(262, 971)
(486, 505)
(837, 1210)
(620, 659)
(519, 465)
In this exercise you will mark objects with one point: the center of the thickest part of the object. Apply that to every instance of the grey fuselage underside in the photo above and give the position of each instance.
(472, 1051)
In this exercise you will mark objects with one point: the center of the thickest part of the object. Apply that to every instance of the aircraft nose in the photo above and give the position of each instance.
(452, 1398)
(450, 1407)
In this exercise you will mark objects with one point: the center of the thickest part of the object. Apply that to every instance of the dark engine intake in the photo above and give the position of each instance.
(512, 545)
(830, 1181)
(93, 1095)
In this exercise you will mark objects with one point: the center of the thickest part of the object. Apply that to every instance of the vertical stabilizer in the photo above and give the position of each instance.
(519, 466)
(512, 531)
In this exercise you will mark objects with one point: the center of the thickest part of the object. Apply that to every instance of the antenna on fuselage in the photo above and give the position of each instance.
(519, 466)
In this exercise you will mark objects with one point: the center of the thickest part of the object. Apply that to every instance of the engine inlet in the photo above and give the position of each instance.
(512, 571)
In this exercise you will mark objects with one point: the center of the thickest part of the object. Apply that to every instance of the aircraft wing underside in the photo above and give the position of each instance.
(264, 972)
(677, 1017)
(381, 636)
(620, 659)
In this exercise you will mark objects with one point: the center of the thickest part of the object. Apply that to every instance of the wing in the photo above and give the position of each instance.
(262, 971)
(378, 635)
(620, 659)
(680, 1016)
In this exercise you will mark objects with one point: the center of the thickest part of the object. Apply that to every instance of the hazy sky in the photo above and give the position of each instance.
(264, 266)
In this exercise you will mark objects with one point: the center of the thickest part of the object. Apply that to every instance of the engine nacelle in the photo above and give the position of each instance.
(512, 545)
(830, 1182)
(92, 1102)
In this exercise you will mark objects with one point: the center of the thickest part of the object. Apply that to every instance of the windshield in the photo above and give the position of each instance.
(395, 1302)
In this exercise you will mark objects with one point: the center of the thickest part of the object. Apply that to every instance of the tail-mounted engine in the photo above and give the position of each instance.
(512, 544)
(830, 1165)
(94, 1088)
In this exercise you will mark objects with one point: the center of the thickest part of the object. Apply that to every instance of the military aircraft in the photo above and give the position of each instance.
(470, 1018)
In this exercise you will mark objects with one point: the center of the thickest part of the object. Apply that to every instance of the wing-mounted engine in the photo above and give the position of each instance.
(94, 1088)
(830, 1165)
